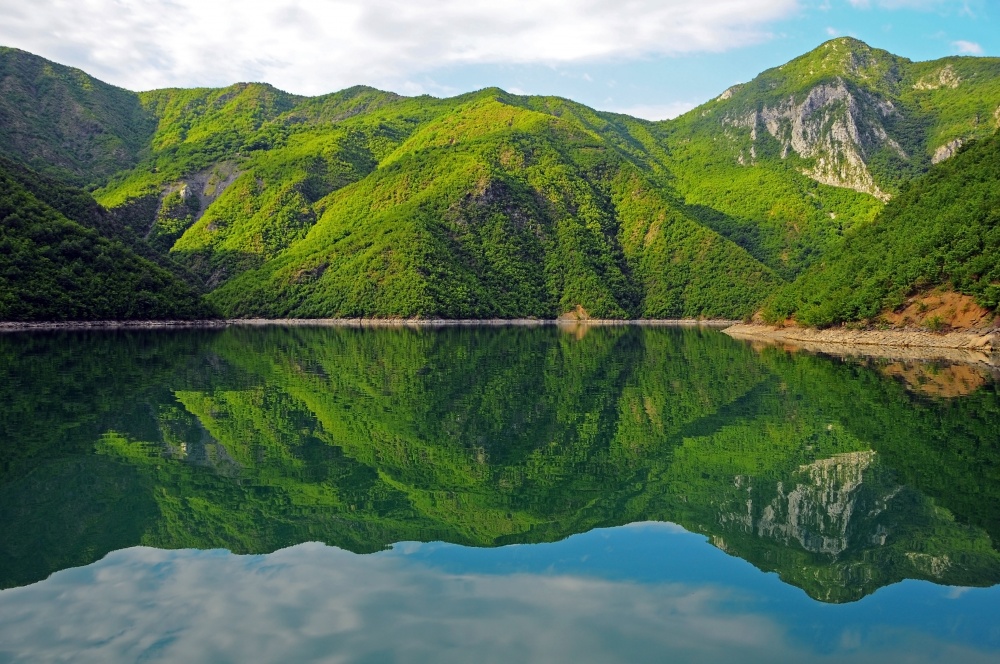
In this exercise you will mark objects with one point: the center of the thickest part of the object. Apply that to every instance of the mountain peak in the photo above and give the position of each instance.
(851, 43)
(848, 58)
(832, 111)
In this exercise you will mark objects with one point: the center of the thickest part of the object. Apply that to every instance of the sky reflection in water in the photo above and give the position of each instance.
(647, 592)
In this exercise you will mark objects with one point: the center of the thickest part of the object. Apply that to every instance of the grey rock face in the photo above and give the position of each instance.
(834, 128)
(947, 151)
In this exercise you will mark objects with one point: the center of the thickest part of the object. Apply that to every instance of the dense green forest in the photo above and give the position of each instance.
(488, 204)
(257, 439)
(61, 121)
(943, 230)
(52, 268)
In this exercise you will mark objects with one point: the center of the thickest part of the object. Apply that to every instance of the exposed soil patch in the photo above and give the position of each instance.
(937, 311)
(576, 314)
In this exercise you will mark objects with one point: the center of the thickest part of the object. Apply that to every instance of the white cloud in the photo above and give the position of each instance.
(833, 32)
(324, 45)
(967, 47)
(655, 111)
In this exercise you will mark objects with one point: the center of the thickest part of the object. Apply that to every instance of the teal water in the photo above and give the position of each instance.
(491, 494)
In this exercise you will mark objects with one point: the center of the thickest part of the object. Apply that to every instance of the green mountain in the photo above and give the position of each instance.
(495, 210)
(52, 268)
(942, 231)
(847, 115)
(366, 203)
(831, 474)
(60, 121)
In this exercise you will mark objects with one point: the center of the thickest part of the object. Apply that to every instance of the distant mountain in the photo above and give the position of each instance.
(366, 203)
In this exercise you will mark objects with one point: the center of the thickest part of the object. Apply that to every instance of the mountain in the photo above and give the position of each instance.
(496, 210)
(942, 232)
(363, 203)
(60, 121)
(847, 115)
(52, 268)
(367, 203)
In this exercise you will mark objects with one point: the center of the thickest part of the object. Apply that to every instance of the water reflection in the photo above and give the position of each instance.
(441, 603)
(837, 475)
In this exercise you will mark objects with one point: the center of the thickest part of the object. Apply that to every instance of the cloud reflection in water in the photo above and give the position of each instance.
(316, 603)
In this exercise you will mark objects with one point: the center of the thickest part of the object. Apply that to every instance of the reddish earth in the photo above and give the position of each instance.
(938, 311)
(946, 310)
(576, 314)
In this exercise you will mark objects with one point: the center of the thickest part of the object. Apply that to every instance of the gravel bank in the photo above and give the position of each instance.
(973, 346)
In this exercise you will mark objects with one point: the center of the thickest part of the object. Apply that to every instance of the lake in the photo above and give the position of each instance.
(494, 494)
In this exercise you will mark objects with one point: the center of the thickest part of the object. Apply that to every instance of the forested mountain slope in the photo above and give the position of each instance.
(943, 230)
(847, 115)
(366, 203)
(493, 210)
(60, 121)
(52, 268)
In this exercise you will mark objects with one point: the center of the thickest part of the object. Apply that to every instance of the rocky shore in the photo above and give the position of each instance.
(980, 346)
(40, 326)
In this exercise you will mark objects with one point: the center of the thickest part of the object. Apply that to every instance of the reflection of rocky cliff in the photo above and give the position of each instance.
(817, 511)
(841, 527)
(359, 438)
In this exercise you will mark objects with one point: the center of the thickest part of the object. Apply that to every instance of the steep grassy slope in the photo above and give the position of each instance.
(52, 268)
(942, 230)
(60, 121)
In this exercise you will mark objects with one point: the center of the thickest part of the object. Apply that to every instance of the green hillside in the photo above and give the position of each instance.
(788, 162)
(943, 230)
(60, 121)
(52, 268)
(367, 203)
(498, 211)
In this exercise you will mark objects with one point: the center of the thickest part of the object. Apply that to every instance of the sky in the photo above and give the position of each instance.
(648, 58)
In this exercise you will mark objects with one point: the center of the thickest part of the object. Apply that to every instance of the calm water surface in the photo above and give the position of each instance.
(491, 494)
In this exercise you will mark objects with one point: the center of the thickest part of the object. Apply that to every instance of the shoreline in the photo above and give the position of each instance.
(210, 324)
(981, 347)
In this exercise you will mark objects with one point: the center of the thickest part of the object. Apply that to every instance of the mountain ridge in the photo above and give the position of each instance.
(701, 216)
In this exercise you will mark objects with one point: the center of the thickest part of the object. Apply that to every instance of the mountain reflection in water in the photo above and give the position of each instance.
(834, 474)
